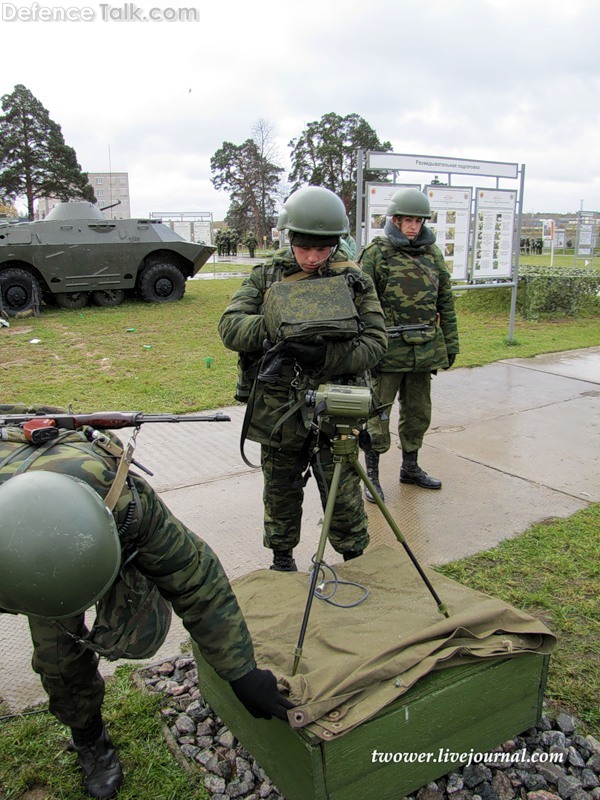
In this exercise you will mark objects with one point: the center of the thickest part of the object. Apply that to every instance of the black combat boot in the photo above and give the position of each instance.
(350, 554)
(372, 462)
(283, 561)
(100, 764)
(411, 472)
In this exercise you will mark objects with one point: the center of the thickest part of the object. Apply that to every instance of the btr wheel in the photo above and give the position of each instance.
(107, 298)
(19, 290)
(161, 283)
(72, 299)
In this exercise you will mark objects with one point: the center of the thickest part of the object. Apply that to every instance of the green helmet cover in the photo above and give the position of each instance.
(59, 545)
(409, 203)
(314, 210)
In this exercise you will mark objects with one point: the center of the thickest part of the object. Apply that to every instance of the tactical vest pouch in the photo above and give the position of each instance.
(419, 336)
(304, 309)
(132, 618)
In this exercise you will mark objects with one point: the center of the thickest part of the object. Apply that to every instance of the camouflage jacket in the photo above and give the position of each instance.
(414, 287)
(242, 328)
(183, 567)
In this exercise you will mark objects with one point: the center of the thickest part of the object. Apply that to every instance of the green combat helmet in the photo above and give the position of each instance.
(409, 203)
(314, 210)
(59, 546)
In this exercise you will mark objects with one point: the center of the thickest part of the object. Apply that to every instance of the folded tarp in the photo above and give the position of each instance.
(357, 660)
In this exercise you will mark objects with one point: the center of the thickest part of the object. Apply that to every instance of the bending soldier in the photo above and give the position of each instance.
(72, 552)
(414, 287)
(277, 416)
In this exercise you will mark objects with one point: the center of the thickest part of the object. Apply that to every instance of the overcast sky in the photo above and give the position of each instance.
(497, 80)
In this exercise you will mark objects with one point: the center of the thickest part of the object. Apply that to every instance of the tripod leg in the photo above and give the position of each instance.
(442, 607)
(333, 490)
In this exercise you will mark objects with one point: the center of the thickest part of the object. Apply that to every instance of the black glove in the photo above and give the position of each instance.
(257, 691)
(451, 360)
(310, 355)
(272, 362)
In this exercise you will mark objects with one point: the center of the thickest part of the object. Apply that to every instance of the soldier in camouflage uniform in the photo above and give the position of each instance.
(219, 242)
(251, 242)
(315, 219)
(53, 585)
(414, 287)
(233, 242)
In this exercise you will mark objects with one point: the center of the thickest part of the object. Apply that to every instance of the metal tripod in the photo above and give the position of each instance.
(345, 450)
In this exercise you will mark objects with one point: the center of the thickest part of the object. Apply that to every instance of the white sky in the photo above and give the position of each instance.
(497, 80)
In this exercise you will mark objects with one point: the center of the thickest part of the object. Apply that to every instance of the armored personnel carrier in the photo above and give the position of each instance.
(76, 256)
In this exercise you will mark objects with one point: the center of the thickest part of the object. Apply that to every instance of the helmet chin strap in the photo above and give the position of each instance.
(327, 261)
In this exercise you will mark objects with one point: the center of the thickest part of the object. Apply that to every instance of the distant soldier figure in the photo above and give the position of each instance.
(219, 242)
(251, 241)
(233, 242)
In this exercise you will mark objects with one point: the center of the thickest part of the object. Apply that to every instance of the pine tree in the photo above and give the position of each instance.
(34, 159)
(325, 155)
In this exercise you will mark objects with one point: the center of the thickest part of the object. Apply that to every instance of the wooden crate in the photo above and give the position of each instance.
(472, 707)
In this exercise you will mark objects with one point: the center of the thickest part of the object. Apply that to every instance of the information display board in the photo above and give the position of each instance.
(451, 223)
(379, 197)
(586, 223)
(494, 233)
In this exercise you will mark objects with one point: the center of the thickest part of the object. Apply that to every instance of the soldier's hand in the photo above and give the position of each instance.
(451, 360)
(310, 355)
(257, 691)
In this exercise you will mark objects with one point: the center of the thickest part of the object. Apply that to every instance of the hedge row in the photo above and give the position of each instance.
(561, 290)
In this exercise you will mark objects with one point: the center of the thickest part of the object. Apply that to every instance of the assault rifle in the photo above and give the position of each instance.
(45, 425)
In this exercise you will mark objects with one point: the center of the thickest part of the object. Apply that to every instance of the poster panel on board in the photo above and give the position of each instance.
(379, 197)
(451, 223)
(494, 233)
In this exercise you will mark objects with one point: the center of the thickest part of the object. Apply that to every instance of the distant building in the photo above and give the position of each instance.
(109, 188)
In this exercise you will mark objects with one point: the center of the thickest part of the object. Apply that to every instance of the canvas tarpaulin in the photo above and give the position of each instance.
(357, 660)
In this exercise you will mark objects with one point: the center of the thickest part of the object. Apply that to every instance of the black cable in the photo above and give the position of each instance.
(24, 714)
(336, 583)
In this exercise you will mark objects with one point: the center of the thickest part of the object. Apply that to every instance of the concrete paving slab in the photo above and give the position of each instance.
(556, 445)
(477, 507)
(514, 442)
(583, 364)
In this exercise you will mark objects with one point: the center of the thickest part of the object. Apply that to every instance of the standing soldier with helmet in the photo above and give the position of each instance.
(415, 291)
(77, 530)
(275, 375)
(233, 242)
(251, 242)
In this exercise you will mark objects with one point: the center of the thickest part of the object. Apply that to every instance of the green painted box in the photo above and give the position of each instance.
(448, 713)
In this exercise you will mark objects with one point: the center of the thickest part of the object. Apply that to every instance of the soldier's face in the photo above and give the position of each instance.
(311, 258)
(409, 226)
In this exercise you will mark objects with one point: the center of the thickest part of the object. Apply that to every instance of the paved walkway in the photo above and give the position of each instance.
(515, 442)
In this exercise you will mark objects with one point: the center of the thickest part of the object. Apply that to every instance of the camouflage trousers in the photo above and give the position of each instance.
(283, 503)
(414, 394)
(68, 671)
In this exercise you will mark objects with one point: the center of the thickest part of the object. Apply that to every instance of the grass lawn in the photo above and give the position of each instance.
(152, 357)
